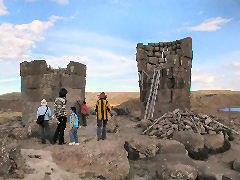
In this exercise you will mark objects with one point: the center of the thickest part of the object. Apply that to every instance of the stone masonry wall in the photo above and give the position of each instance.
(39, 81)
(175, 61)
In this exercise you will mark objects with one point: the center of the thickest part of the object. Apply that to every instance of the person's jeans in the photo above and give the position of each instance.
(59, 133)
(73, 135)
(101, 128)
(45, 130)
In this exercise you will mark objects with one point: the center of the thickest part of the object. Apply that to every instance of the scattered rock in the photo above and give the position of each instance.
(179, 120)
(236, 164)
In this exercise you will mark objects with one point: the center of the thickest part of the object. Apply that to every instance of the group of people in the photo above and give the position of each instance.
(102, 109)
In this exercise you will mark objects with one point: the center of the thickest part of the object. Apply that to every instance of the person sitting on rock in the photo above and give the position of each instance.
(61, 114)
(44, 127)
(74, 125)
(102, 109)
(84, 111)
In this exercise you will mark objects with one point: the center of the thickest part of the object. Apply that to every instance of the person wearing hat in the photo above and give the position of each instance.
(84, 111)
(44, 127)
(61, 115)
(102, 109)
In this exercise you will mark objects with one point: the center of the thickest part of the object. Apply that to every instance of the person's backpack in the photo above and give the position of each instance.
(40, 118)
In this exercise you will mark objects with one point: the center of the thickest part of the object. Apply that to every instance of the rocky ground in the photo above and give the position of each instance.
(183, 145)
(125, 154)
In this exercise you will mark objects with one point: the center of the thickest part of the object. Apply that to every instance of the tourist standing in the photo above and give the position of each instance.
(44, 126)
(74, 124)
(61, 115)
(102, 109)
(84, 111)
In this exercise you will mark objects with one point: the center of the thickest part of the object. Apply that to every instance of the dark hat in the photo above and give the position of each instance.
(102, 96)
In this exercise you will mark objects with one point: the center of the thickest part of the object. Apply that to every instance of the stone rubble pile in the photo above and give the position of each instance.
(180, 120)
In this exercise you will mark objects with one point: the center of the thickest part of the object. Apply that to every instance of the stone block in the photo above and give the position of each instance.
(179, 52)
(150, 67)
(161, 60)
(156, 49)
(158, 54)
(73, 81)
(186, 47)
(153, 60)
(142, 65)
(76, 68)
(36, 67)
(166, 53)
(141, 54)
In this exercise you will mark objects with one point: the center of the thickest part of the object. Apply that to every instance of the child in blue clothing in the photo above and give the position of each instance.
(73, 127)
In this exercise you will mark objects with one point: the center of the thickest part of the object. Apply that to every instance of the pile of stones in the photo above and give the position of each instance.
(179, 120)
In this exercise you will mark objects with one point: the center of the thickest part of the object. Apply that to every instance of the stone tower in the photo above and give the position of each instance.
(174, 59)
(39, 81)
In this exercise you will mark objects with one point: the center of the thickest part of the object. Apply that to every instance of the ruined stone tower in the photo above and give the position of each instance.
(174, 59)
(39, 81)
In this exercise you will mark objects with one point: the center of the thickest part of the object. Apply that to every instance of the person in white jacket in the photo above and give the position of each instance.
(44, 127)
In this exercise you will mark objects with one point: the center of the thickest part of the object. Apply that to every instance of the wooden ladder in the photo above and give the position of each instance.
(152, 95)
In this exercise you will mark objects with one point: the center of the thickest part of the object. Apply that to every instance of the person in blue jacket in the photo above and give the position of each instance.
(73, 127)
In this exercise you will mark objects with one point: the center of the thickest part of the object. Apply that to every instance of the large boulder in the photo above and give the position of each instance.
(95, 158)
(215, 143)
(171, 147)
(193, 142)
(141, 147)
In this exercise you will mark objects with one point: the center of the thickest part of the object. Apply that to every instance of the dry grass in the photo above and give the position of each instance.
(8, 117)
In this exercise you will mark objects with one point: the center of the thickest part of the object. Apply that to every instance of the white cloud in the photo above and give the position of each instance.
(16, 40)
(211, 24)
(61, 2)
(3, 8)
(236, 64)
(10, 79)
(203, 78)
(201, 12)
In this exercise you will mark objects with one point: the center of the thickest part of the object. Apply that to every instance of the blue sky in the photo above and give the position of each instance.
(103, 35)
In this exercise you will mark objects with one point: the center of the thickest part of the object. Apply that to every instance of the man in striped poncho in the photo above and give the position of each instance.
(102, 109)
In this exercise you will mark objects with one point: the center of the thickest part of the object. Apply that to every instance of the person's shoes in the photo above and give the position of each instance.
(98, 139)
(60, 143)
(64, 142)
(43, 141)
(103, 138)
(76, 144)
(71, 143)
